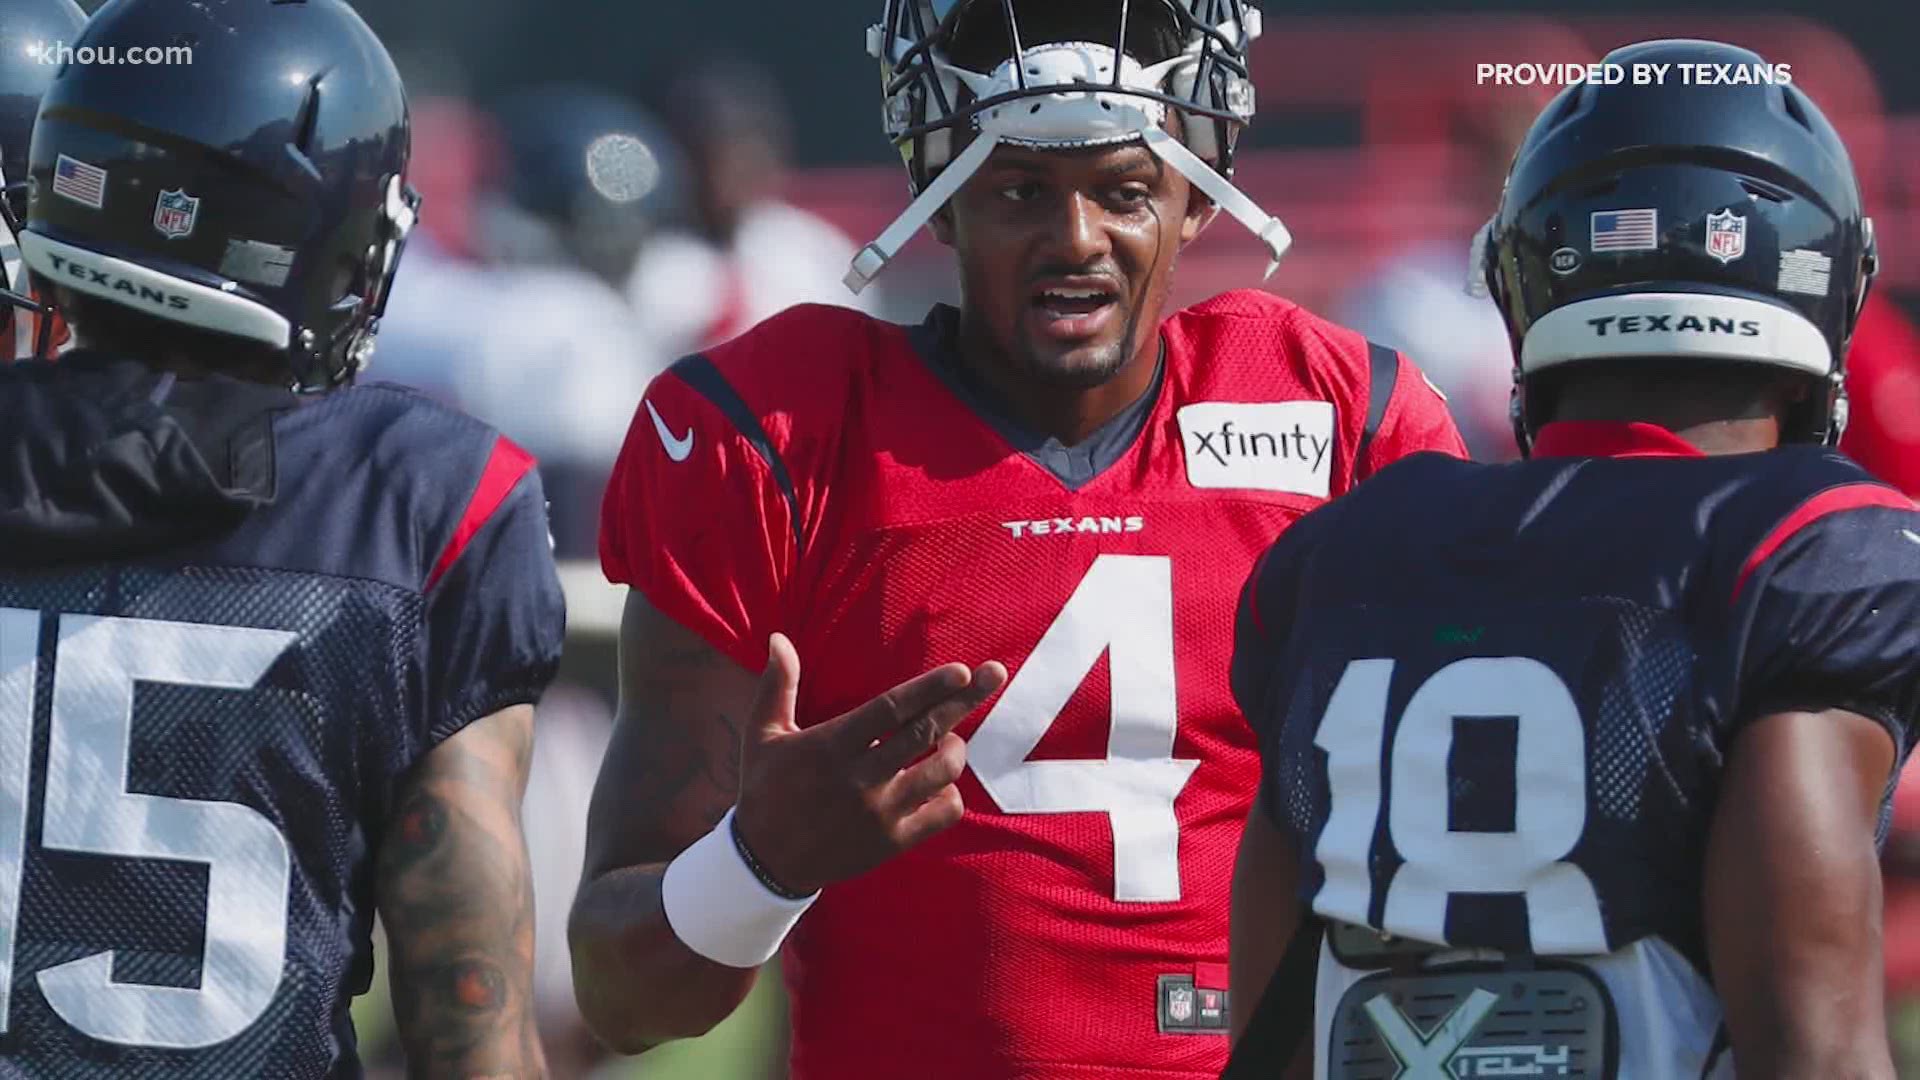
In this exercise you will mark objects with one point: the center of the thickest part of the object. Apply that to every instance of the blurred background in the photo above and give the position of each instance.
(611, 186)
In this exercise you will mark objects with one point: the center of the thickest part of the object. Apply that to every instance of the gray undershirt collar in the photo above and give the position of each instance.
(936, 340)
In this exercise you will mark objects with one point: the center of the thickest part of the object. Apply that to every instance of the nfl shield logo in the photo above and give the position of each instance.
(1726, 236)
(175, 213)
(1180, 1004)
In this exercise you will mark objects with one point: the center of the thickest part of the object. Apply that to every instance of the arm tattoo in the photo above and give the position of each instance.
(670, 773)
(456, 898)
(675, 760)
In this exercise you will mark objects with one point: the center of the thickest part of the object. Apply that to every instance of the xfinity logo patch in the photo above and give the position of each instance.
(1672, 324)
(95, 280)
(1265, 446)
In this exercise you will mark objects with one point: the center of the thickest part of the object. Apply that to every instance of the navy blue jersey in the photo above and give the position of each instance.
(231, 620)
(1494, 702)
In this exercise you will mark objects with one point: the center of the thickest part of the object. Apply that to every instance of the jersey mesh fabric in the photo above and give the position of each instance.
(282, 749)
(1644, 760)
(1672, 600)
(1020, 907)
(914, 535)
(375, 488)
(1642, 709)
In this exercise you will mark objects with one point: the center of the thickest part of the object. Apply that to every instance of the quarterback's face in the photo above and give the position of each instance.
(1066, 256)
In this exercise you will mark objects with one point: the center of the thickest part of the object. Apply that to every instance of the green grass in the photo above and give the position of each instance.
(749, 1045)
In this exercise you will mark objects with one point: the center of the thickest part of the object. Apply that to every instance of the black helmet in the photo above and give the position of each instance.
(256, 189)
(1709, 215)
(33, 34)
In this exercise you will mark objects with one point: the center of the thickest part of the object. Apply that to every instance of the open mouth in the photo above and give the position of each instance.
(1063, 302)
(1073, 309)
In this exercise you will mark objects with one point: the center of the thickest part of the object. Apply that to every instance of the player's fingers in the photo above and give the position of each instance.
(987, 680)
(779, 690)
(907, 791)
(852, 732)
(920, 734)
(937, 814)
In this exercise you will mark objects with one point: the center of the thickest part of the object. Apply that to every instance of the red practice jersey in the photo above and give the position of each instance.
(819, 476)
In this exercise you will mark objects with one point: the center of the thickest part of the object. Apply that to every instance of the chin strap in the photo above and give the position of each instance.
(875, 256)
(1065, 96)
(1224, 195)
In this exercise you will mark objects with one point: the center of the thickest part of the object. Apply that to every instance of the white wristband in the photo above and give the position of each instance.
(719, 909)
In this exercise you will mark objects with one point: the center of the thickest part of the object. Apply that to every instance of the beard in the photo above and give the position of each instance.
(1081, 367)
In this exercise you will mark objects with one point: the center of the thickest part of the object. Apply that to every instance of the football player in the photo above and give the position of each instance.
(269, 644)
(1054, 482)
(31, 35)
(1581, 761)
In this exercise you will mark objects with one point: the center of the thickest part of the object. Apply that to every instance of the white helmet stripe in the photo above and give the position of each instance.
(148, 290)
(1703, 326)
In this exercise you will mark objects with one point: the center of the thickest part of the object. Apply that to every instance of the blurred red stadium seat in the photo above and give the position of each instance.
(1407, 84)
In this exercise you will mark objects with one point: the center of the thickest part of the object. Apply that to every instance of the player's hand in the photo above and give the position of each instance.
(834, 801)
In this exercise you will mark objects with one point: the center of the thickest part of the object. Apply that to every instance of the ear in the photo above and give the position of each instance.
(1200, 213)
(941, 224)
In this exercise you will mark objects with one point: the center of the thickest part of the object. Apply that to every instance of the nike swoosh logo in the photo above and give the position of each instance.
(677, 448)
(1909, 534)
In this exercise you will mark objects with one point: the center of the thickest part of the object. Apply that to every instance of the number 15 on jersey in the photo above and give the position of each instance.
(89, 810)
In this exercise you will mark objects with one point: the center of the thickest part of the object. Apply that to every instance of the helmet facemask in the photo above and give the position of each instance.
(26, 322)
(1022, 102)
(351, 350)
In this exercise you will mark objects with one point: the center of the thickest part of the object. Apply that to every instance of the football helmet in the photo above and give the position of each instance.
(1684, 222)
(32, 32)
(933, 102)
(589, 177)
(258, 191)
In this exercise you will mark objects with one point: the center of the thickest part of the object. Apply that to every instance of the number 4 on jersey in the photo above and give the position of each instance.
(1124, 606)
